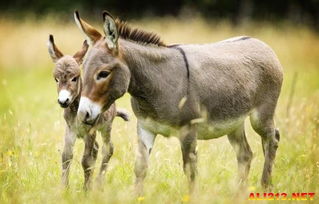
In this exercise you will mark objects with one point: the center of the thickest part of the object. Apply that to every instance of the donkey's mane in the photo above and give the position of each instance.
(135, 34)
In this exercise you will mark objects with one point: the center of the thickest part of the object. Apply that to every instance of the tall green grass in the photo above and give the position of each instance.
(32, 126)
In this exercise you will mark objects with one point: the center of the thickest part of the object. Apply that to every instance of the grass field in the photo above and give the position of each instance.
(32, 126)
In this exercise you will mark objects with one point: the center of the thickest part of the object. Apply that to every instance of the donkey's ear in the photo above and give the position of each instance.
(91, 33)
(110, 30)
(54, 52)
(80, 54)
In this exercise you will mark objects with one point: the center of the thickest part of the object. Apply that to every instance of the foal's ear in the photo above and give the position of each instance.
(110, 30)
(80, 54)
(54, 52)
(91, 33)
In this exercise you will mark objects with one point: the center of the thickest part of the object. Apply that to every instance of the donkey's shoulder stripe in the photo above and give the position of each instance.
(184, 58)
(176, 46)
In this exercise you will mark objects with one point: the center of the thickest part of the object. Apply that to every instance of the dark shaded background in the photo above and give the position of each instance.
(296, 11)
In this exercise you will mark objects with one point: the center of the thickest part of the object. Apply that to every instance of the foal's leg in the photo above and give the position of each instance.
(145, 145)
(244, 154)
(107, 152)
(263, 123)
(67, 155)
(188, 141)
(89, 158)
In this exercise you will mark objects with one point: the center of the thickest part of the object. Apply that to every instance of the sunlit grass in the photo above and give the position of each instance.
(32, 125)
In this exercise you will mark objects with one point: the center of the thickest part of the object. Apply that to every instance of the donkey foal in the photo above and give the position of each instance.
(67, 75)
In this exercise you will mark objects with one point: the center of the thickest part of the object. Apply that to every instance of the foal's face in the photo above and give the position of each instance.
(105, 76)
(67, 73)
(67, 77)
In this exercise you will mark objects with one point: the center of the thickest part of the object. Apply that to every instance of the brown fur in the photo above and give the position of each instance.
(94, 34)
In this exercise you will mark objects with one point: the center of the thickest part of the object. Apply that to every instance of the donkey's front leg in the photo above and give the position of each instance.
(89, 158)
(188, 141)
(67, 155)
(145, 145)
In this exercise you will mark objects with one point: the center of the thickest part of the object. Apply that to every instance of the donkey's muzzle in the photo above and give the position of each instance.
(64, 98)
(88, 111)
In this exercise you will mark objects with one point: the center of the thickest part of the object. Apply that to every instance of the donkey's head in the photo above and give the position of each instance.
(105, 75)
(67, 72)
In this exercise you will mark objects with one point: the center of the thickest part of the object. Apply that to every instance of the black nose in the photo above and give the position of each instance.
(64, 104)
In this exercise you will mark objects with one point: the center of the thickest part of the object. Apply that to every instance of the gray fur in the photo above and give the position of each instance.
(229, 81)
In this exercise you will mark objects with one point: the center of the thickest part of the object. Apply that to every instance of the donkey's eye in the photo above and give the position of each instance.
(56, 80)
(74, 79)
(102, 74)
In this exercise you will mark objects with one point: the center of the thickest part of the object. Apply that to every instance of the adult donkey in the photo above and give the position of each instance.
(202, 91)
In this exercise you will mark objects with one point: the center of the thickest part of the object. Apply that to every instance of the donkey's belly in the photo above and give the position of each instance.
(159, 128)
(217, 129)
(205, 130)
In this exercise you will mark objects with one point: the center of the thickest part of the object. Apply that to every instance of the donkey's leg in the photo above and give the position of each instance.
(263, 123)
(145, 144)
(244, 154)
(89, 158)
(188, 141)
(67, 155)
(107, 152)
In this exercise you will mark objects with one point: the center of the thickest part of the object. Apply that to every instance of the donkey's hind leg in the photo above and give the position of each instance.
(244, 154)
(107, 152)
(263, 123)
(89, 158)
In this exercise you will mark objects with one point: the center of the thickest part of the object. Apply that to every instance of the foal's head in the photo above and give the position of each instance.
(67, 72)
(105, 76)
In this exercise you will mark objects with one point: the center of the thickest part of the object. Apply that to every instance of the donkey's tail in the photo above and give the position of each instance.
(123, 114)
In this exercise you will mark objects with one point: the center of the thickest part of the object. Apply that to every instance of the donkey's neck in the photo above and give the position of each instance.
(135, 52)
(75, 105)
(149, 65)
(158, 80)
(71, 112)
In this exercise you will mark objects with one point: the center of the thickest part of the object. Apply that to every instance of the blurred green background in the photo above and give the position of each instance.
(32, 126)
(298, 11)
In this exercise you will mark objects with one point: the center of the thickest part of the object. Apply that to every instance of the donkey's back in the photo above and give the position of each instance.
(233, 77)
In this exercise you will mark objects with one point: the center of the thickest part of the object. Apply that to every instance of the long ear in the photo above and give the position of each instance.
(78, 56)
(54, 52)
(92, 34)
(110, 30)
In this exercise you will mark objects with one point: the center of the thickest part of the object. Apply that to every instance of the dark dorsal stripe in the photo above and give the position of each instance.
(242, 38)
(137, 35)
